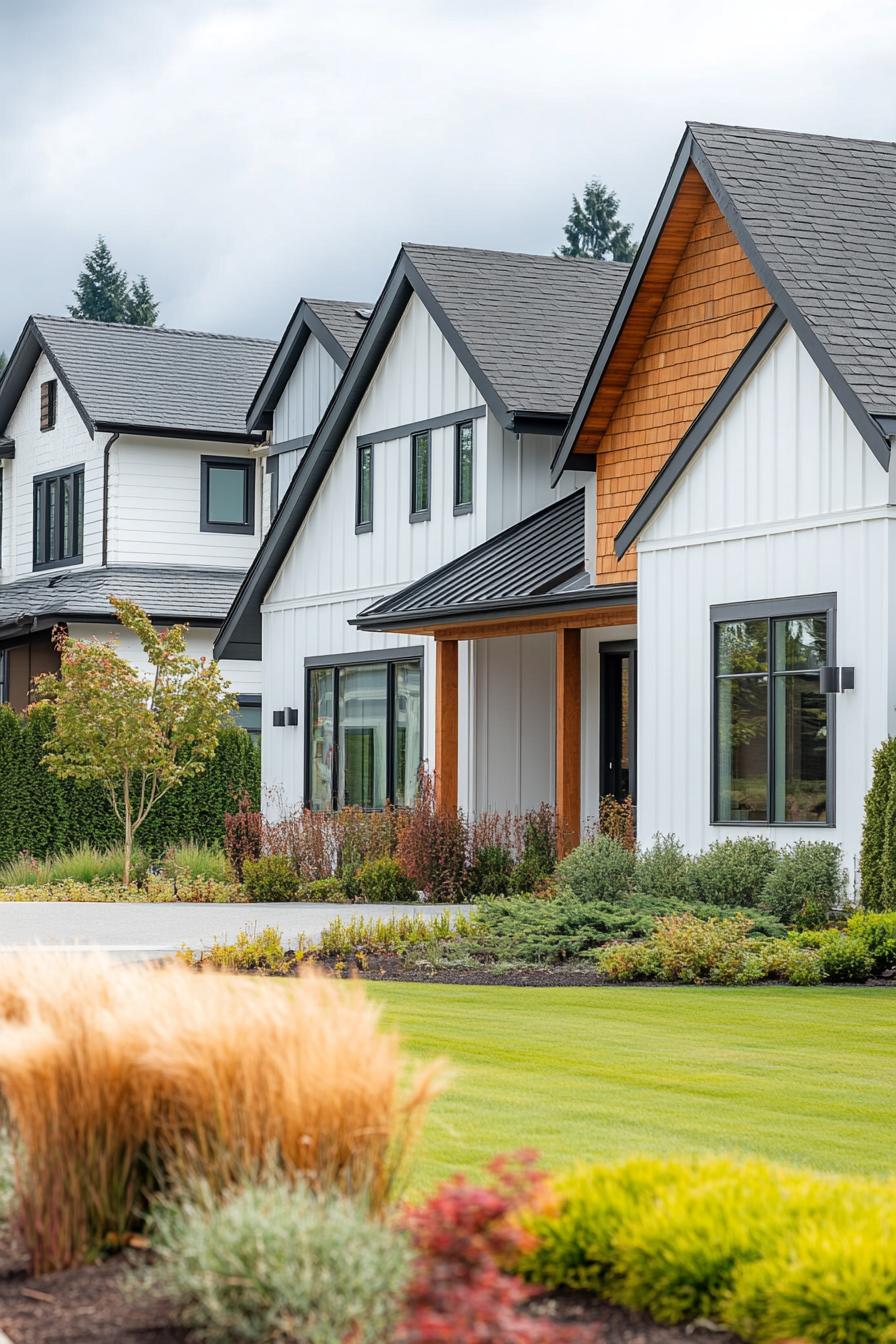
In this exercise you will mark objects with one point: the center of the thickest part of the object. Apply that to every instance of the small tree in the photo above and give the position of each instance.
(594, 228)
(103, 295)
(136, 738)
(878, 856)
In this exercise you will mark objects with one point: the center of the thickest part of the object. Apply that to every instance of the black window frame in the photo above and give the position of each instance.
(369, 658)
(363, 524)
(250, 702)
(770, 610)
(421, 515)
(39, 528)
(464, 506)
(248, 467)
(50, 386)
(272, 467)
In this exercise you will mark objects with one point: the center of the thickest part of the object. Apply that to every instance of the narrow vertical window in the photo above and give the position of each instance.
(463, 467)
(773, 756)
(364, 489)
(48, 405)
(420, 476)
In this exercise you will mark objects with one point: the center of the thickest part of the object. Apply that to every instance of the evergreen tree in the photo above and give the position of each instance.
(102, 292)
(594, 228)
(142, 307)
(2, 360)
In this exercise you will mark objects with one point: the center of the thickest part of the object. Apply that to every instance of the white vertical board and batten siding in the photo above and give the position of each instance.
(300, 410)
(68, 444)
(784, 499)
(331, 573)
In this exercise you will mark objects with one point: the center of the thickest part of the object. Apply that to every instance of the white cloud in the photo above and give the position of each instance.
(243, 153)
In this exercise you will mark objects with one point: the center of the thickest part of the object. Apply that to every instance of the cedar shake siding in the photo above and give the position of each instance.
(712, 304)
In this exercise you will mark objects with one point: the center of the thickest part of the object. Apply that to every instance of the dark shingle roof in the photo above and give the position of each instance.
(157, 377)
(167, 592)
(534, 564)
(822, 212)
(531, 322)
(345, 319)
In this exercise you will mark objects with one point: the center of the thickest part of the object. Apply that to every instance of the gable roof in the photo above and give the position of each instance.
(338, 324)
(493, 333)
(814, 216)
(151, 380)
(167, 592)
(536, 565)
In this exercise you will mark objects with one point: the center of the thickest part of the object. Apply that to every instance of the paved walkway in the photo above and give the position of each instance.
(130, 930)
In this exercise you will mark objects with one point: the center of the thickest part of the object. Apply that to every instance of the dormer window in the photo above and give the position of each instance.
(48, 405)
(227, 495)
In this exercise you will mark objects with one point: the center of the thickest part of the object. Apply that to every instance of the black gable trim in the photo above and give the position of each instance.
(20, 367)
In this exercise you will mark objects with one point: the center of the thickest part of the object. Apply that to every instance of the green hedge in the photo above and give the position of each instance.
(878, 860)
(43, 815)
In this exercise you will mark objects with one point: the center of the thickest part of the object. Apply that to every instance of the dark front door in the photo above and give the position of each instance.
(618, 699)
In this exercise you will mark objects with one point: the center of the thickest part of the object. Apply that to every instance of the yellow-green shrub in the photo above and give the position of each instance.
(767, 1251)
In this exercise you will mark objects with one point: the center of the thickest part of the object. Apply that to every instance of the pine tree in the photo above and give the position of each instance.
(142, 307)
(2, 360)
(102, 292)
(594, 228)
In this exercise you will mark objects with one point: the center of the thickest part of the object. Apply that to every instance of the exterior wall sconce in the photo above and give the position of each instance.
(279, 718)
(837, 679)
(292, 717)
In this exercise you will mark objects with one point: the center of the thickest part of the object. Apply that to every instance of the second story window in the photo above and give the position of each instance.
(364, 489)
(463, 467)
(420, 476)
(59, 518)
(227, 495)
(48, 405)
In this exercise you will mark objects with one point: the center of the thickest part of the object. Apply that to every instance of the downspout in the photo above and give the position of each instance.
(109, 442)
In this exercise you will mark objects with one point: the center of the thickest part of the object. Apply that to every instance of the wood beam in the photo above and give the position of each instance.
(446, 724)
(569, 739)
(586, 618)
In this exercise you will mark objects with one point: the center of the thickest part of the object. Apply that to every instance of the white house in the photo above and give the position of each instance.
(439, 438)
(697, 613)
(126, 468)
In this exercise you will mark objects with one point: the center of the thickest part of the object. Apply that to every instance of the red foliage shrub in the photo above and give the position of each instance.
(459, 1293)
(242, 834)
(432, 845)
(331, 844)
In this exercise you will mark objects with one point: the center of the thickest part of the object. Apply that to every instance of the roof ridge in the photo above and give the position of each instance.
(504, 252)
(160, 330)
(788, 135)
(343, 303)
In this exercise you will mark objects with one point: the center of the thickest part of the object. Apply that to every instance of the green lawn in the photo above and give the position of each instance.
(799, 1075)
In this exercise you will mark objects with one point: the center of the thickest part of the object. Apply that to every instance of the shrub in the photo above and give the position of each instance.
(491, 871)
(116, 1077)
(663, 872)
(877, 862)
(686, 950)
(529, 929)
(844, 959)
(808, 884)
(383, 881)
(242, 834)
(274, 1261)
(432, 846)
(389, 936)
(769, 1252)
(617, 820)
(784, 959)
(463, 1237)
(624, 962)
(329, 890)
(194, 861)
(598, 870)
(734, 872)
(331, 844)
(876, 933)
(251, 951)
(270, 878)
(540, 840)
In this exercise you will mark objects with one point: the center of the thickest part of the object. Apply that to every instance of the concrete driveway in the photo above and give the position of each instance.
(133, 931)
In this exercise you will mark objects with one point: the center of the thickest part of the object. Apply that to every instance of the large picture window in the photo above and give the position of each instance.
(773, 724)
(364, 731)
(58, 518)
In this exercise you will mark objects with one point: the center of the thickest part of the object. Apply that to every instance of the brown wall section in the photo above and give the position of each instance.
(712, 306)
(26, 661)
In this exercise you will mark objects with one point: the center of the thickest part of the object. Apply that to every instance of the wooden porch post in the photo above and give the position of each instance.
(569, 739)
(446, 724)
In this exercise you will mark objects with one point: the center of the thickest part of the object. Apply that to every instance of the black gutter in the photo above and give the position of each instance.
(175, 432)
(609, 595)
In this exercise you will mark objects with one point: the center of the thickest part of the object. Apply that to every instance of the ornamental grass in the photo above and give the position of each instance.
(120, 1081)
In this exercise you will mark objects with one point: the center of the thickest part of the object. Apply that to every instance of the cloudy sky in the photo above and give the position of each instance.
(244, 152)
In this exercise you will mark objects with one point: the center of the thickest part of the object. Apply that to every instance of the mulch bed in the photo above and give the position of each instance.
(98, 1305)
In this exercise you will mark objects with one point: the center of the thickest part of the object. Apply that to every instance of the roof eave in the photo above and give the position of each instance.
(531, 604)
(178, 432)
(30, 345)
